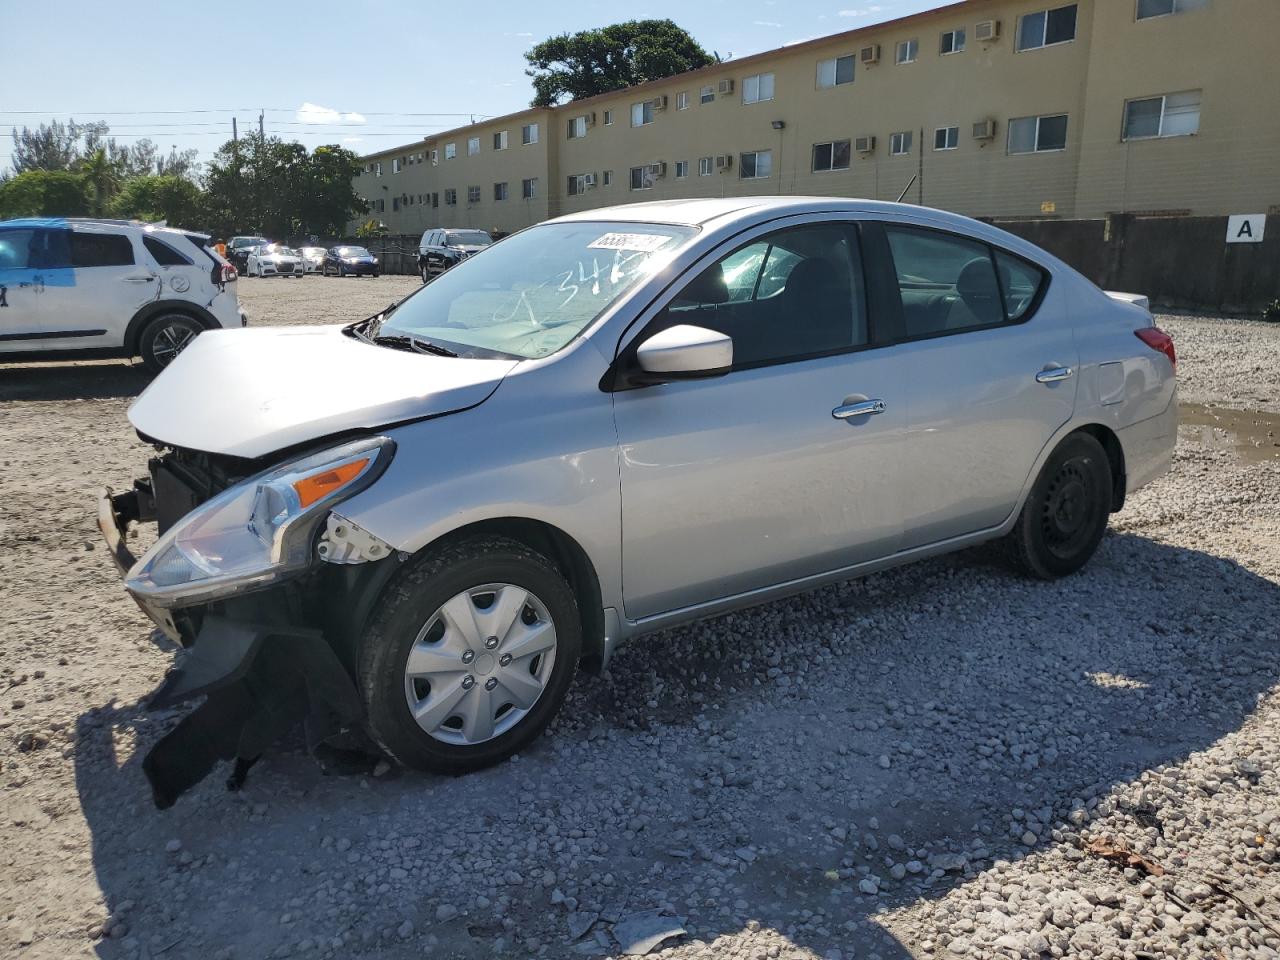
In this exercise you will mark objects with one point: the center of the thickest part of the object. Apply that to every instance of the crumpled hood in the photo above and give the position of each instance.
(247, 393)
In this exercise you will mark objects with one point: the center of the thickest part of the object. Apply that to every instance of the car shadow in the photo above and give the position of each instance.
(747, 772)
(108, 380)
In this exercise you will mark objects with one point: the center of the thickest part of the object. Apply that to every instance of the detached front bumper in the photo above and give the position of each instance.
(115, 513)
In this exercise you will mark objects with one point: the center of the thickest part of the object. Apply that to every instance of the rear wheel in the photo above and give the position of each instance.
(165, 337)
(469, 655)
(1065, 516)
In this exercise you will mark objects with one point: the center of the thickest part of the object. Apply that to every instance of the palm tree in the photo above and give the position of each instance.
(103, 180)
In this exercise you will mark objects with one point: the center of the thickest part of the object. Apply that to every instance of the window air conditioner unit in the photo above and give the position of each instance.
(984, 130)
(870, 55)
(724, 161)
(987, 30)
(864, 144)
(591, 119)
(589, 180)
(658, 169)
(726, 86)
(659, 103)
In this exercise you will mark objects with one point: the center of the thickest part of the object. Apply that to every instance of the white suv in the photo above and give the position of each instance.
(109, 288)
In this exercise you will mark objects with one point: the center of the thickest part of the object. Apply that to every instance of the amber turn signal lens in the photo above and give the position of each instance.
(310, 489)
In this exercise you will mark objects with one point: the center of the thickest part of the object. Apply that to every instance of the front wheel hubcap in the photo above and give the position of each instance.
(497, 633)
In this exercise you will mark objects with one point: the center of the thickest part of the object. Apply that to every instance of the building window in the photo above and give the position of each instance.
(1047, 27)
(529, 133)
(500, 140)
(642, 178)
(642, 113)
(946, 138)
(757, 88)
(473, 194)
(377, 169)
(450, 151)
(682, 169)
(682, 100)
(831, 156)
(907, 51)
(1164, 8)
(900, 143)
(704, 166)
(835, 72)
(757, 165)
(708, 94)
(1038, 134)
(395, 165)
(499, 191)
(608, 118)
(435, 200)
(473, 146)
(952, 42)
(450, 197)
(577, 128)
(576, 184)
(529, 188)
(395, 204)
(608, 177)
(1173, 115)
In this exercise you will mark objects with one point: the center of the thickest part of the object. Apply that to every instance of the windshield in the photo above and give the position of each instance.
(535, 291)
(239, 242)
(280, 251)
(352, 252)
(467, 238)
(312, 251)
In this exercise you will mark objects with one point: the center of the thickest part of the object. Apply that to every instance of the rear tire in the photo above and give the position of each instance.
(165, 337)
(539, 638)
(1065, 516)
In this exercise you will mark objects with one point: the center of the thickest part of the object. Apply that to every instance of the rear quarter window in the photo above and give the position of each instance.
(164, 254)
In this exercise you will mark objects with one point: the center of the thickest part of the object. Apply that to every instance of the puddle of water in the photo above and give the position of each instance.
(1251, 434)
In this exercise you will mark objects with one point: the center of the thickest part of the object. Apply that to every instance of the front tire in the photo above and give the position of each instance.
(469, 655)
(1065, 516)
(165, 337)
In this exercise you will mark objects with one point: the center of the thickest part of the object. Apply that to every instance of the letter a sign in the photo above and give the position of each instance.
(1246, 228)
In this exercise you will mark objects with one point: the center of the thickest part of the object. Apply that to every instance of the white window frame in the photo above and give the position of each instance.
(1044, 35)
(950, 130)
(577, 127)
(706, 165)
(911, 49)
(529, 134)
(957, 34)
(450, 151)
(451, 197)
(377, 169)
(643, 111)
(608, 118)
(757, 154)
(900, 143)
(682, 100)
(682, 169)
(529, 188)
(500, 140)
(707, 94)
(832, 144)
(501, 191)
(646, 178)
(1176, 7)
(753, 88)
(576, 185)
(473, 194)
(395, 165)
(473, 146)
(607, 178)
(833, 68)
(1036, 148)
(1164, 106)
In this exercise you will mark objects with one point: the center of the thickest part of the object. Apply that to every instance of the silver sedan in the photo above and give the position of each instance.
(622, 420)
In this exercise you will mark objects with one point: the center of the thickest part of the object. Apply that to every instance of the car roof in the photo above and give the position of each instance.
(49, 223)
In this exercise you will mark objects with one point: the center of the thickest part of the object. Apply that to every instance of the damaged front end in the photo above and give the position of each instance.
(268, 585)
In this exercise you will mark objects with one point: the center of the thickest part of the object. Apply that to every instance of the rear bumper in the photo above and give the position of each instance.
(1148, 446)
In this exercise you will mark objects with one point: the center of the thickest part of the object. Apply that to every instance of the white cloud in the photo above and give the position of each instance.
(522, 33)
(862, 11)
(314, 113)
(765, 23)
(353, 139)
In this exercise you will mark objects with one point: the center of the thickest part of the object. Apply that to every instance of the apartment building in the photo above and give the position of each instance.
(991, 108)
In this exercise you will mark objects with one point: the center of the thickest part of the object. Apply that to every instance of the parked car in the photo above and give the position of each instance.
(312, 258)
(441, 249)
(77, 287)
(274, 260)
(615, 422)
(239, 248)
(347, 261)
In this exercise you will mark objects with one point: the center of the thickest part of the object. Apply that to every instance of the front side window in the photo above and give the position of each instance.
(900, 143)
(795, 293)
(641, 113)
(537, 290)
(907, 52)
(952, 42)
(15, 249)
(450, 151)
(1164, 8)
(1038, 134)
(1047, 27)
(757, 88)
(704, 166)
(756, 165)
(529, 133)
(831, 156)
(100, 250)
(473, 194)
(835, 72)
(946, 138)
(473, 146)
(1172, 115)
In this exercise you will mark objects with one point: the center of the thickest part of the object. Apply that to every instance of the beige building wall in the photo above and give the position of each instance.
(1231, 165)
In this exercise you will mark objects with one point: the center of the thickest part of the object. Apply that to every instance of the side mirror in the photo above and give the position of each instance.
(683, 352)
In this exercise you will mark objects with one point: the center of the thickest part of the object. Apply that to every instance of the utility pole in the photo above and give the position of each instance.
(920, 187)
(261, 134)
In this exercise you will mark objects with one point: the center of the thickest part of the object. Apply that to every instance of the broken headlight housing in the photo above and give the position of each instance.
(258, 532)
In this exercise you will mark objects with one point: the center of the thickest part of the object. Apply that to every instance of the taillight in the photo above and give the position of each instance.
(223, 273)
(1157, 339)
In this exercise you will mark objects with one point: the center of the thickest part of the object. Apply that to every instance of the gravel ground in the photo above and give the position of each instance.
(910, 765)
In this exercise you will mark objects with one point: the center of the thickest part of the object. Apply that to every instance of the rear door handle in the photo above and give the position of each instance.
(1054, 374)
(860, 409)
(137, 279)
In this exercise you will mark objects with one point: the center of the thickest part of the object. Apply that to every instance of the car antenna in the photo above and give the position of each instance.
(907, 188)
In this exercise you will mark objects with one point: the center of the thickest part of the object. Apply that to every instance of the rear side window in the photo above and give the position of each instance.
(1020, 282)
(164, 254)
(100, 250)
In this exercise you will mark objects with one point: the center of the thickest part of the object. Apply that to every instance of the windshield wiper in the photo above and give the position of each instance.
(416, 344)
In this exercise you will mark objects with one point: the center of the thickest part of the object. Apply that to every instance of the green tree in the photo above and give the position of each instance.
(579, 65)
(100, 176)
(44, 193)
(55, 146)
(174, 199)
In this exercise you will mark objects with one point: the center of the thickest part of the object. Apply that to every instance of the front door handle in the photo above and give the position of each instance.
(1054, 374)
(861, 409)
(137, 279)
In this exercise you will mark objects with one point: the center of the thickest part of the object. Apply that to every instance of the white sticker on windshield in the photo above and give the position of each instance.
(644, 242)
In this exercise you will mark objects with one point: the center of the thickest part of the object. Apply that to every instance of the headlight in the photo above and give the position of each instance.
(258, 532)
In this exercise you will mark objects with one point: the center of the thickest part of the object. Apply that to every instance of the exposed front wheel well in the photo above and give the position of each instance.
(1115, 457)
(571, 560)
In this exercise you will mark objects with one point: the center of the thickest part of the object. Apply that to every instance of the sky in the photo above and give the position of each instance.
(369, 74)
